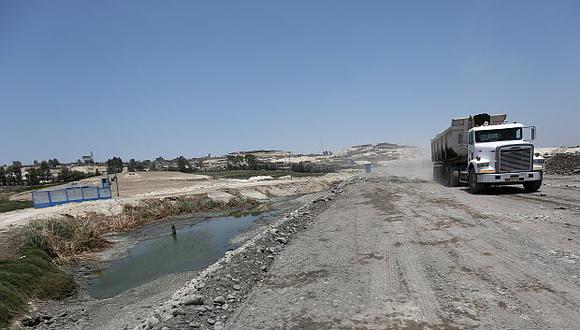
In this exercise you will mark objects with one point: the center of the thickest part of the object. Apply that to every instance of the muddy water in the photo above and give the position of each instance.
(198, 244)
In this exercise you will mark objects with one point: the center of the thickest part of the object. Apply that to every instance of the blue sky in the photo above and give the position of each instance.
(142, 79)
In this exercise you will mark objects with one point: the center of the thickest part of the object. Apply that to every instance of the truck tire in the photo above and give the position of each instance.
(451, 177)
(435, 174)
(454, 178)
(532, 186)
(474, 187)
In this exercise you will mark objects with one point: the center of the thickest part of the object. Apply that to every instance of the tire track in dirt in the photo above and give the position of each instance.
(512, 266)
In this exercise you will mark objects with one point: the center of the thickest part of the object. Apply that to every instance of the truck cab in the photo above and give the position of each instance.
(499, 154)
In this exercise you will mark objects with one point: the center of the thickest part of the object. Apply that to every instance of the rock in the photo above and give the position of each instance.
(31, 321)
(165, 328)
(219, 300)
(225, 307)
(153, 322)
(194, 324)
(264, 268)
(194, 299)
(237, 287)
(211, 321)
(282, 240)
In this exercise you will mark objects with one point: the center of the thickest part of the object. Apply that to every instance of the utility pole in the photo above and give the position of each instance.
(117, 183)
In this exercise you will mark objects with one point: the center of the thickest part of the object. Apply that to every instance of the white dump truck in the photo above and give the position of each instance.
(485, 150)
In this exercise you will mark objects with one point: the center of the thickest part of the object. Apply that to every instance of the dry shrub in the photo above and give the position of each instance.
(134, 216)
(63, 238)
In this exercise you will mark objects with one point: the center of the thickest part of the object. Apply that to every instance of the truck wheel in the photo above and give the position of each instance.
(454, 178)
(532, 186)
(474, 187)
(437, 174)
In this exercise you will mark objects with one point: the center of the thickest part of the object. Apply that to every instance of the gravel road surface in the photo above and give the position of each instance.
(398, 251)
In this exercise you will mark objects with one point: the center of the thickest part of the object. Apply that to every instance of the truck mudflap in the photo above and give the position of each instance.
(509, 178)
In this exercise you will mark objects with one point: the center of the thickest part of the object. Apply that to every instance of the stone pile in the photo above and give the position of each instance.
(564, 164)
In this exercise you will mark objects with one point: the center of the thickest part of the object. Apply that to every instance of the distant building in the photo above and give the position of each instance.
(88, 159)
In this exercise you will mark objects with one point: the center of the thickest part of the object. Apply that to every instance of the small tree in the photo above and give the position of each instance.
(114, 165)
(44, 172)
(14, 174)
(252, 162)
(2, 176)
(132, 165)
(64, 174)
(53, 163)
(235, 162)
(33, 176)
(183, 165)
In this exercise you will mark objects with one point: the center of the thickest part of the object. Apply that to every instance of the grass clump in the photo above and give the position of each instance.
(8, 205)
(32, 275)
(150, 210)
(63, 238)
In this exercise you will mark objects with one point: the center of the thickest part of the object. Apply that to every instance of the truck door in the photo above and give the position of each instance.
(470, 146)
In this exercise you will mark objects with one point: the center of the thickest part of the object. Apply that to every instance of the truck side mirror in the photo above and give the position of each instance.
(533, 132)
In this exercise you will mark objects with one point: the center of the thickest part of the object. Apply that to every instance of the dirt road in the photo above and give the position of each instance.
(401, 252)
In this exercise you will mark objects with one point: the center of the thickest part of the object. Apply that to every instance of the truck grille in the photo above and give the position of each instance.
(515, 158)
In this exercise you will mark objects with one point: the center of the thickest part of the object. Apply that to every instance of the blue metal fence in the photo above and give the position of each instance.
(45, 198)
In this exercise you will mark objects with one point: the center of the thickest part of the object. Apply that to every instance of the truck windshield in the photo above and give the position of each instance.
(505, 134)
